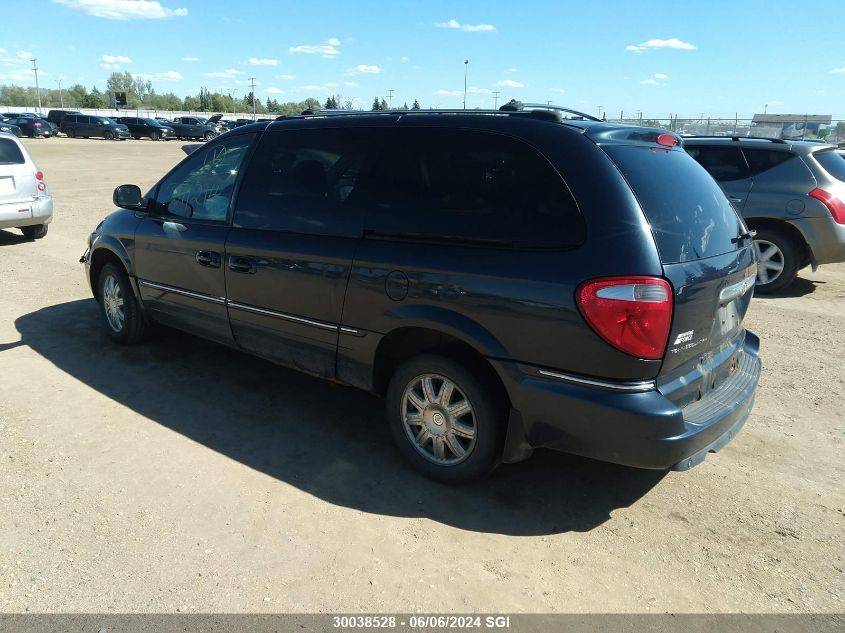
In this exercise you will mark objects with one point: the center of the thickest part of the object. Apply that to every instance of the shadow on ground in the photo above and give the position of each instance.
(328, 440)
(8, 238)
(798, 288)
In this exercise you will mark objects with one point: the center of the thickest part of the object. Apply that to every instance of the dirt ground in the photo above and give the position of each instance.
(183, 476)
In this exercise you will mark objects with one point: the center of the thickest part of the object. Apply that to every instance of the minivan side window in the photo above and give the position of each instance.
(470, 186)
(303, 181)
(201, 187)
(723, 163)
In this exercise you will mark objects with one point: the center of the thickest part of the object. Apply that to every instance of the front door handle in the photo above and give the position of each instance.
(208, 258)
(735, 199)
(240, 264)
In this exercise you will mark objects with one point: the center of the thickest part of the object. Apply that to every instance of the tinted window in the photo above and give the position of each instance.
(833, 163)
(723, 163)
(71, 118)
(469, 186)
(10, 153)
(689, 215)
(760, 160)
(201, 187)
(302, 180)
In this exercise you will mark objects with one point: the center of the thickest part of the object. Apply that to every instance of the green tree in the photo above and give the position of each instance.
(376, 104)
(383, 105)
(416, 105)
(191, 104)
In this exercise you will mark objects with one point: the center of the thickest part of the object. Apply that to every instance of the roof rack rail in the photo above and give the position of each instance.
(525, 110)
(740, 138)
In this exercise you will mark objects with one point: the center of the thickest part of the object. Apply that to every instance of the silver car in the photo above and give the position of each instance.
(25, 200)
(792, 193)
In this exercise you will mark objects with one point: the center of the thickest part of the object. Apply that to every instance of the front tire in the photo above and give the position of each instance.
(71, 133)
(447, 423)
(107, 135)
(209, 136)
(35, 232)
(155, 136)
(777, 261)
(124, 320)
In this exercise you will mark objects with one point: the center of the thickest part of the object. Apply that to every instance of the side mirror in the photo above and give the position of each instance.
(127, 196)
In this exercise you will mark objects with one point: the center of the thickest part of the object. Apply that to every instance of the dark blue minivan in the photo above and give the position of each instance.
(507, 280)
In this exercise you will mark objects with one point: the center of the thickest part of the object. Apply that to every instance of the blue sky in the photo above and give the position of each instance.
(682, 57)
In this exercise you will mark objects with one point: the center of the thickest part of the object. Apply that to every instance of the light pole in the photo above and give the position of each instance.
(765, 107)
(466, 67)
(37, 89)
(495, 99)
(233, 100)
(61, 97)
(390, 98)
(599, 110)
(252, 80)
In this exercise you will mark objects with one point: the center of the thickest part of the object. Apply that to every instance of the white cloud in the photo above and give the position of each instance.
(558, 90)
(123, 9)
(23, 74)
(190, 59)
(275, 91)
(332, 84)
(366, 69)
(479, 91)
(510, 83)
(262, 61)
(25, 55)
(656, 80)
(467, 28)
(350, 84)
(836, 71)
(672, 42)
(403, 59)
(513, 70)
(224, 74)
(286, 77)
(449, 93)
(116, 59)
(329, 49)
(168, 75)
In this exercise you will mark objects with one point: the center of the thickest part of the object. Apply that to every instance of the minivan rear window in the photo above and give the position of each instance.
(689, 215)
(833, 163)
(10, 153)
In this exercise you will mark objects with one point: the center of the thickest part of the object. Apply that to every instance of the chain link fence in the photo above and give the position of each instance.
(707, 126)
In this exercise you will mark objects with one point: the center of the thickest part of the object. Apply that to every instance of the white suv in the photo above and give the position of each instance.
(25, 200)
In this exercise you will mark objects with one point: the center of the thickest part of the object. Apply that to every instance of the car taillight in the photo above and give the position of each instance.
(39, 177)
(634, 314)
(833, 204)
(668, 140)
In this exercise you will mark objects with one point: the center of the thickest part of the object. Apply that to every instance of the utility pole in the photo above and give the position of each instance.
(37, 89)
(252, 83)
(495, 99)
(599, 109)
(232, 95)
(466, 67)
(61, 98)
(390, 98)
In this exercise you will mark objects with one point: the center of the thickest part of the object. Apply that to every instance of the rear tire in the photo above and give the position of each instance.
(777, 261)
(450, 431)
(125, 322)
(34, 232)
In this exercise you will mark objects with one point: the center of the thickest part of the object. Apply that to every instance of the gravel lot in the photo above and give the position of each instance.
(184, 476)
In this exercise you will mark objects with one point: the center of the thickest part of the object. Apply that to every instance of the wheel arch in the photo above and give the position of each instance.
(787, 228)
(108, 250)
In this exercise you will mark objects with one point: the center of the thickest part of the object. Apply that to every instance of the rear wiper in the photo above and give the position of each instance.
(743, 236)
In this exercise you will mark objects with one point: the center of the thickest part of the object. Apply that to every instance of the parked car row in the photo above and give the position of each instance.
(76, 124)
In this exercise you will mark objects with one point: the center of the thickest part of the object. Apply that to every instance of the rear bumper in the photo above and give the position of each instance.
(641, 428)
(26, 213)
(825, 238)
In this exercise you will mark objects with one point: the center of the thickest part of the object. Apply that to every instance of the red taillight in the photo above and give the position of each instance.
(668, 140)
(833, 204)
(39, 177)
(634, 314)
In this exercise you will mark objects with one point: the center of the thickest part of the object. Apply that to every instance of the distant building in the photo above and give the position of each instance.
(791, 125)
